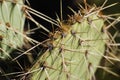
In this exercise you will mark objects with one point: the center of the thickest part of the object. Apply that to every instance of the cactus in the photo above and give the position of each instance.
(12, 20)
(75, 49)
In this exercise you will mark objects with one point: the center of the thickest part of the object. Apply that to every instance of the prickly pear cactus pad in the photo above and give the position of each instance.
(11, 23)
(74, 50)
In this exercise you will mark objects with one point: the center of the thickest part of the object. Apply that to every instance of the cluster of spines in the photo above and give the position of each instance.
(75, 47)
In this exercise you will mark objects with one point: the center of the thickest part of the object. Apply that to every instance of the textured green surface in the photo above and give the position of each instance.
(76, 55)
(11, 24)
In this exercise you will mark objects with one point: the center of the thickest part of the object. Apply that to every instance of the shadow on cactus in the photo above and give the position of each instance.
(76, 48)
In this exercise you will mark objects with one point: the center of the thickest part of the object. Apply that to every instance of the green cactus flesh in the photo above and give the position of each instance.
(11, 23)
(76, 53)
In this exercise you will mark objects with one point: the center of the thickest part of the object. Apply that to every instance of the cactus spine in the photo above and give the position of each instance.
(12, 21)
